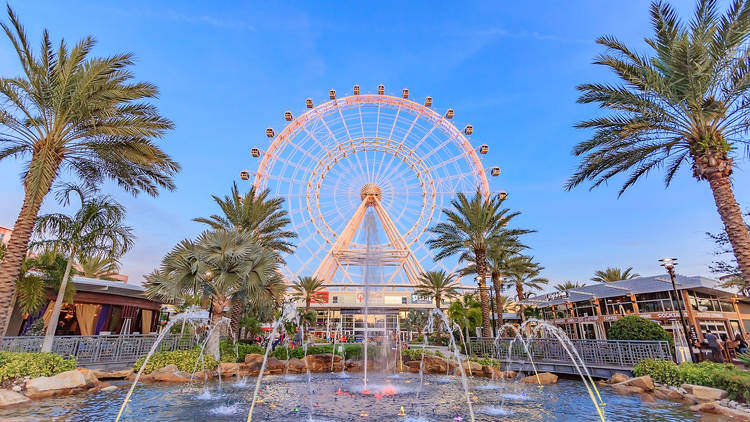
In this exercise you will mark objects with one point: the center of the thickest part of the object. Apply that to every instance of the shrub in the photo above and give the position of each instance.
(486, 361)
(718, 375)
(185, 360)
(633, 327)
(351, 351)
(23, 364)
(661, 371)
(231, 353)
(416, 353)
(744, 358)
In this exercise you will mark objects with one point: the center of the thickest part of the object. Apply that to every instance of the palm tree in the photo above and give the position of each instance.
(524, 274)
(308, 289)
(416, 320)
(97, 266)
(79, 114)
(471, 227)
(260, 294)
(467, 313)
(265, 218)
(216, 266)
(96, 228)
(614, 274)
(567, 286)
(39, 273)
(437, 285)
(683, 103)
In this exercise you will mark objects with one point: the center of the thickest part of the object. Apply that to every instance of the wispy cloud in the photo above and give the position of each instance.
(499, 32)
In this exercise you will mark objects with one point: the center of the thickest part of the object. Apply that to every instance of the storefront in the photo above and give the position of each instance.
(98, 307)
(587, 312)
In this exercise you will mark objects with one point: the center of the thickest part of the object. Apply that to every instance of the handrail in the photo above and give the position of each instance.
(622, 354)
(101, 348)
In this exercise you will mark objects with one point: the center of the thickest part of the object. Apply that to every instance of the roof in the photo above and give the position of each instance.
(639, 285)
(85, 284)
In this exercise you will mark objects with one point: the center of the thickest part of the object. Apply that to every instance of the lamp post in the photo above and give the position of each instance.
(669, 264)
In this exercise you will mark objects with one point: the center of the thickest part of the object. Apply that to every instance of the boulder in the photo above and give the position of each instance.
(735, 414)
(647, 398)
(62, 383)
(621, 389)
(473, 367)
(659, 394)
(109, 389)
(88, 376)
(618, 378)
(645, 382)
(296, 366)
(169, 373)
(436, 365)
(544, 378)
(319, 363)
(491, 372)
(104, 375)
(274, 366)
(709, 407)
(228, 369)
(10, 398)
(708, 393)
(255, 360)
(690, 399)
(509, 374)
(99, 386)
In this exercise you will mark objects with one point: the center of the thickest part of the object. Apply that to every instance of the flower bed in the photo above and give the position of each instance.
(718, 375)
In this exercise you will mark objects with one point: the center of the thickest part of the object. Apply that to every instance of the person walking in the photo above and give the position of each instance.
(713, 344)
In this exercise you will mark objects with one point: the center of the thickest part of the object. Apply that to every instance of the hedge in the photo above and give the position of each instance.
(23, 364)
(231, 353)
(351, 351)
(718, 375)
(416, 353)
(185, 360)
(633, 327)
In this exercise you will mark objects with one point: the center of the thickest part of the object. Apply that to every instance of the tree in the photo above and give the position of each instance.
(216, 266)
(39, 273)
(259, 215)
(98, 266)
(2, 251)
(470, 228)
(84, 115)
(437, 285)
(567, 285)
(467, 313)
(308, 289)
(524, 274)
(731, 271)
(416, 320)
(96, 228)
(614, 274)
(684, 103)
(633, 327)
(256, 213)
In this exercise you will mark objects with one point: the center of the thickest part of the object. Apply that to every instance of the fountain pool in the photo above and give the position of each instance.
(337, 399)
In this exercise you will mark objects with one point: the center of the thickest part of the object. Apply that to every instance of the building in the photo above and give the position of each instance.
(587, 312)
(5, 235)
(98, 307)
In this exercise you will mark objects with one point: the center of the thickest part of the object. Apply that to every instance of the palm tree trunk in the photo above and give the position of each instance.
(10, 267)
(49, 335)
(519, 292)
(731, 216)
(439, 320)
(498, 284)
(483, 296)
(212, 343)
(235, 323)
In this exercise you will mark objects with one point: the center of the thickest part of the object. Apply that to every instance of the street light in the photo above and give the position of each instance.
(669, 264)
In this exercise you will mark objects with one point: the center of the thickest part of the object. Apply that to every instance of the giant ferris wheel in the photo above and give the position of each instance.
(389, 156)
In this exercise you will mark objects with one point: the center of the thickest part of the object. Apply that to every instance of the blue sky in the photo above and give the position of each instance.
(508, 68)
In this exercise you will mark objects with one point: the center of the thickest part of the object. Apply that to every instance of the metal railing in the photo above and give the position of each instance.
(622, 354)
(96, 349)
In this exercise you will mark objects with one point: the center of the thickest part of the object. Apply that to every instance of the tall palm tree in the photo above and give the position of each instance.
(684, 103)
(567, 285)
(96, 228)
(72, 112)
(524, 274)
(216, 266)
(437, 285)
(308, 289)
(257, 213)
(470, 228)
(98, 266)
(614, 274)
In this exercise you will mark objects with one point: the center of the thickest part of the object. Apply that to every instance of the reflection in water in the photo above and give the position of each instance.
(282, 400)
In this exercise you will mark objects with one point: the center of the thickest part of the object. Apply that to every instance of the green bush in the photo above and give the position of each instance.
(718, 375)
(661, 371)
(416, 353)
(351, 351)
(486, 361)
(634, 327)
(744, 358)
(22, 364)
(184, 359)
(231, 353)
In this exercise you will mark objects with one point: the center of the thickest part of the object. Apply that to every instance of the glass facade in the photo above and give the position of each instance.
(702, 302)
(656, 302)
